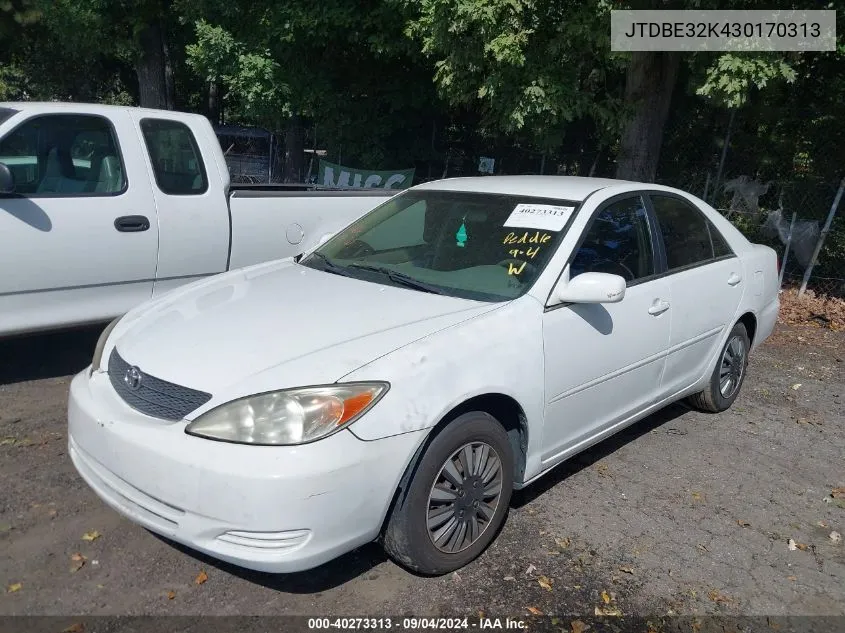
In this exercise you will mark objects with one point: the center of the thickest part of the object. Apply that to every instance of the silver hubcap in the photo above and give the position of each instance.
(732, 367)
(464, 497)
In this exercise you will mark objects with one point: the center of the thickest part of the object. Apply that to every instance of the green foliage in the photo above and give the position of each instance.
(731, 77)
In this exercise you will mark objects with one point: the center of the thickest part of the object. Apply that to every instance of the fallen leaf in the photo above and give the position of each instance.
(796, 386)
(802, 547)
(564, 542)
(171, 595)
(742, 523)
(792, 578)
(822, 524)
(838, 493)
(578, 626)
(531, 569)
(91, 536)
(201, 577)
(534, 610)
(8, 441)
(77, 627)
(603, 470)
(627, 570)
(608, 610)
(696, 496)
(481, 615)
(14, 587)
(836, 537)
(5, 527)
(702, 547)
(791, 546)
(545, 583)
(605, 597)
(78, 562)
(717, 597)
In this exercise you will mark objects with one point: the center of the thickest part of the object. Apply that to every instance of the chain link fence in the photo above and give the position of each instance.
(782, 214)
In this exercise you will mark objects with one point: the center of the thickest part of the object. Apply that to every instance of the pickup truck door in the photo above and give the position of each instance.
(79, 236)
(190, 190)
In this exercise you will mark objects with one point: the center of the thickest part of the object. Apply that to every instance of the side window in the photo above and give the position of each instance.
(64, 155)
(686, 234)
(403, 230)
(720, 245)
(175, 157)
(617, 242)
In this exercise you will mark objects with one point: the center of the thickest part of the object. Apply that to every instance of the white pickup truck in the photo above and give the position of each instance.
(104, 207)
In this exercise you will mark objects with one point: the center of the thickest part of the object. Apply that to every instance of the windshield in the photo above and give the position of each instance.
(479, 246)
(6, 113)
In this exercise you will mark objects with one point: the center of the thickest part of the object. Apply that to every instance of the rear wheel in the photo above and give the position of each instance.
(456, 500)
(728, 376)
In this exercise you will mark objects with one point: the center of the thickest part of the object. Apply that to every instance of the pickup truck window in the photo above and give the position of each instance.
(67, 155)
(175, 157)
(487, 247)
(5, 113)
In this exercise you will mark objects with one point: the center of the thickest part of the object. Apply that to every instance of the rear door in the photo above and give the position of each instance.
(78, 238)
(706, 282)
(190, 196)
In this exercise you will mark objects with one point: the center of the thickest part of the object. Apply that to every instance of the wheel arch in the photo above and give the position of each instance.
(504, 408)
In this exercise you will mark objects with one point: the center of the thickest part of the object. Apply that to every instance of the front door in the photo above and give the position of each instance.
(68, 254)
(605, 361)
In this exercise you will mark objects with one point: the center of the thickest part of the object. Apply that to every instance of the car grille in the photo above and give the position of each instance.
(153, 396)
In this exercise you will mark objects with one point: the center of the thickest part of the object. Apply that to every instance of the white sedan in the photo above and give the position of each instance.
(398, 382)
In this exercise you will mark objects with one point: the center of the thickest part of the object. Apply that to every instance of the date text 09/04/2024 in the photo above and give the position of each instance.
(416, 624)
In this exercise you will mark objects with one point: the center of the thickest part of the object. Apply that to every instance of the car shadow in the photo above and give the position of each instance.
(40, 356)
(327, 576)
(596, 453)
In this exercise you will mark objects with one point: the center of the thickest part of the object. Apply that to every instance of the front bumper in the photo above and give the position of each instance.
(273, 509)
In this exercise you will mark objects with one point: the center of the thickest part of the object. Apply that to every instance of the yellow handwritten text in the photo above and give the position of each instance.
(526, 238)
(514, 270)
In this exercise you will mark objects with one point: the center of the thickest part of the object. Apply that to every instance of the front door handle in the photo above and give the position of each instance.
(132, 223)
(734, 279)
(658, 307)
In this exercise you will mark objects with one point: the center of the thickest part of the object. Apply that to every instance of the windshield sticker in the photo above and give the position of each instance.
(461, 235)
(546, 217)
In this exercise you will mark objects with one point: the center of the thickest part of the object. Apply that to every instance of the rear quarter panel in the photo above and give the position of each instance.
(269, 225)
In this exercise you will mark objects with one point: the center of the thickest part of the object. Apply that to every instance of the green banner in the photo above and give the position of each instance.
(332, 175)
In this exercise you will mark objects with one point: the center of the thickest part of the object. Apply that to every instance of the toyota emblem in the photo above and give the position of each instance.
(132, 378)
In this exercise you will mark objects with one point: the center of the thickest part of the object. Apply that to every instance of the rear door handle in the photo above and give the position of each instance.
(734, 279)
(132, 223)
(658, 307)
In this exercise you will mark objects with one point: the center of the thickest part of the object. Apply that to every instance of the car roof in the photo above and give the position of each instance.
(575, 188)
(83, 107)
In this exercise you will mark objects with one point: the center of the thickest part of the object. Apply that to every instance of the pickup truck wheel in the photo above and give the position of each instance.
(457, 499)
(727, 377)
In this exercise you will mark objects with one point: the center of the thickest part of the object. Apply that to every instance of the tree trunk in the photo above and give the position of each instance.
(214, 102)
(151, 68)
(294, 146)
(649, 84)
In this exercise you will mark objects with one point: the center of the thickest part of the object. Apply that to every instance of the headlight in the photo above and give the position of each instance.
(288, 417)
(101, 344)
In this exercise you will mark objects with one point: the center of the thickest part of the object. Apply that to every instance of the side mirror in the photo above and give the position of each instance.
(591, 288)
(7, 181)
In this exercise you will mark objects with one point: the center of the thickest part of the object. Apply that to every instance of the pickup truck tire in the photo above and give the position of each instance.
(728, 375)
(457, 497)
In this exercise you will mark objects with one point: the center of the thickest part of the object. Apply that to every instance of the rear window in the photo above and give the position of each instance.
(175, 156)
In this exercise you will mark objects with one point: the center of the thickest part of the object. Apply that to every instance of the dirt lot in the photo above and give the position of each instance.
(684, 513)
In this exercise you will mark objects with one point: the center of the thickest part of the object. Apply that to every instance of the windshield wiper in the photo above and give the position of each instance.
(329, 266)
(399, 278)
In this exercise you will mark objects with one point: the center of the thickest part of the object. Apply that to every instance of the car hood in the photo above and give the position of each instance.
(308, 326)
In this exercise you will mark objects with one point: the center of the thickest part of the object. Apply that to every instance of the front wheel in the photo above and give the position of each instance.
(457, 499)
(727, 377)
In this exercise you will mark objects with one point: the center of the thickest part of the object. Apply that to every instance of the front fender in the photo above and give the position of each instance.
(500, 352)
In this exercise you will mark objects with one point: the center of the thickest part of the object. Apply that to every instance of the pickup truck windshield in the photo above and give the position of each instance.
(480, 246)
(5, 113)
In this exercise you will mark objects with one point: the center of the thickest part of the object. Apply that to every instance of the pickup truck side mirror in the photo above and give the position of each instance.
(7, 180)
(591, 288)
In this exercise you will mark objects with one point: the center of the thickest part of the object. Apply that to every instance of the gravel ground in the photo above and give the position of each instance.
(683, 513)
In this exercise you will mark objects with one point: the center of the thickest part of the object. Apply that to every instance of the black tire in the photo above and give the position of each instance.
(406, 538)
(712, 399)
